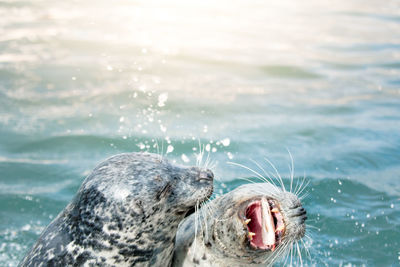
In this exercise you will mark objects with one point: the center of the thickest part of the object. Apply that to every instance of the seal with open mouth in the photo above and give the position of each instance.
(253, 225)
(126, 213)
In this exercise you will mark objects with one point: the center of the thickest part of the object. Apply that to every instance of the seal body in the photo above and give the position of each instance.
(126, 213)
(253, 225)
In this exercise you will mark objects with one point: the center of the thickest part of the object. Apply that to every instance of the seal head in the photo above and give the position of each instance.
(252, 225)
(126, 212)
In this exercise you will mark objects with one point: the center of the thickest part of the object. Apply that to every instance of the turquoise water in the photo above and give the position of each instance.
(82, 81)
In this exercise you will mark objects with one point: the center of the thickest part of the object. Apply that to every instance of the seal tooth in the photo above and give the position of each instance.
(247, 221)
(251, 234)
(275, 210)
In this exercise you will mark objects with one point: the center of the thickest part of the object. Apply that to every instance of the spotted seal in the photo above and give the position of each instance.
(126, 213)
(253, 225)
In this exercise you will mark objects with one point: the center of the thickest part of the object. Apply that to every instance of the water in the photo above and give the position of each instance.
(80, 81)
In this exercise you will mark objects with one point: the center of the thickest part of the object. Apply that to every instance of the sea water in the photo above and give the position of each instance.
(247, 82)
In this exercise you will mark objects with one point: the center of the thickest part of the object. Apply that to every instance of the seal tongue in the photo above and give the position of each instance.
(261, 226)
(268, 226)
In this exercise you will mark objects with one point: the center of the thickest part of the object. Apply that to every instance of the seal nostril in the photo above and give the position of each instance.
(206, 175)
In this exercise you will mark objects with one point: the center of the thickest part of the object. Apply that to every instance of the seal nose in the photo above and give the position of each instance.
(206, 175)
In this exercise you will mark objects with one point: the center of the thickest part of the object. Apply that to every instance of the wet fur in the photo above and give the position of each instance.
(220, 240)
(126, 213)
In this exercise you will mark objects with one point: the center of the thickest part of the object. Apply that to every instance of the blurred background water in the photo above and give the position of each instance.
(83, 80)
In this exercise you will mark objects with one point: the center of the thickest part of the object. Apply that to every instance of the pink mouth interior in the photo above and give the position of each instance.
(255, 225)
(271, 222)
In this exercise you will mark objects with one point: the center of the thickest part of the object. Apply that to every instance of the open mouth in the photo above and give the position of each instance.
(264, 223)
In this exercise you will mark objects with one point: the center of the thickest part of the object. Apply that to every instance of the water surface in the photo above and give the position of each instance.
(81, 81)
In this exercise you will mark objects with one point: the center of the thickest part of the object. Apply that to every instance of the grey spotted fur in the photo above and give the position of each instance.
(126, 213)
(221, 234)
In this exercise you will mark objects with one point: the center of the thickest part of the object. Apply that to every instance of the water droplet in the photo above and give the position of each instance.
(229, 154)
(392, 205)
(185, 158)
(163, 128)
(170, 148)
(208, 147)
(121, 119)
(162, 98)
(26, 227)
(226, 142)
(110, 68)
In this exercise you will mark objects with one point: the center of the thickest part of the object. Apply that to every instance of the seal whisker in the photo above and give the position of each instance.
(304, 196)
(204, 221)
(299, 185)
(284, 250)
(287, 252)
(299, 253)
(213, 165)
(291, 255)
(199, 156)
(195, 228)
(277, 173)
(258, 175)
(307, 250)
(201, 218)
(304, 186)
(156, 145)
(247, 179)
(291, 169)
(312, 226)
(265, 172)
(207, 159)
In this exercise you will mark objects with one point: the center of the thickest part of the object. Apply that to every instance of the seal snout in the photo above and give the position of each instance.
(300, 212)
(206, 175)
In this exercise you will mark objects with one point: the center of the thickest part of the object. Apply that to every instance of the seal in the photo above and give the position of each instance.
(126, 213)
(253, 225)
